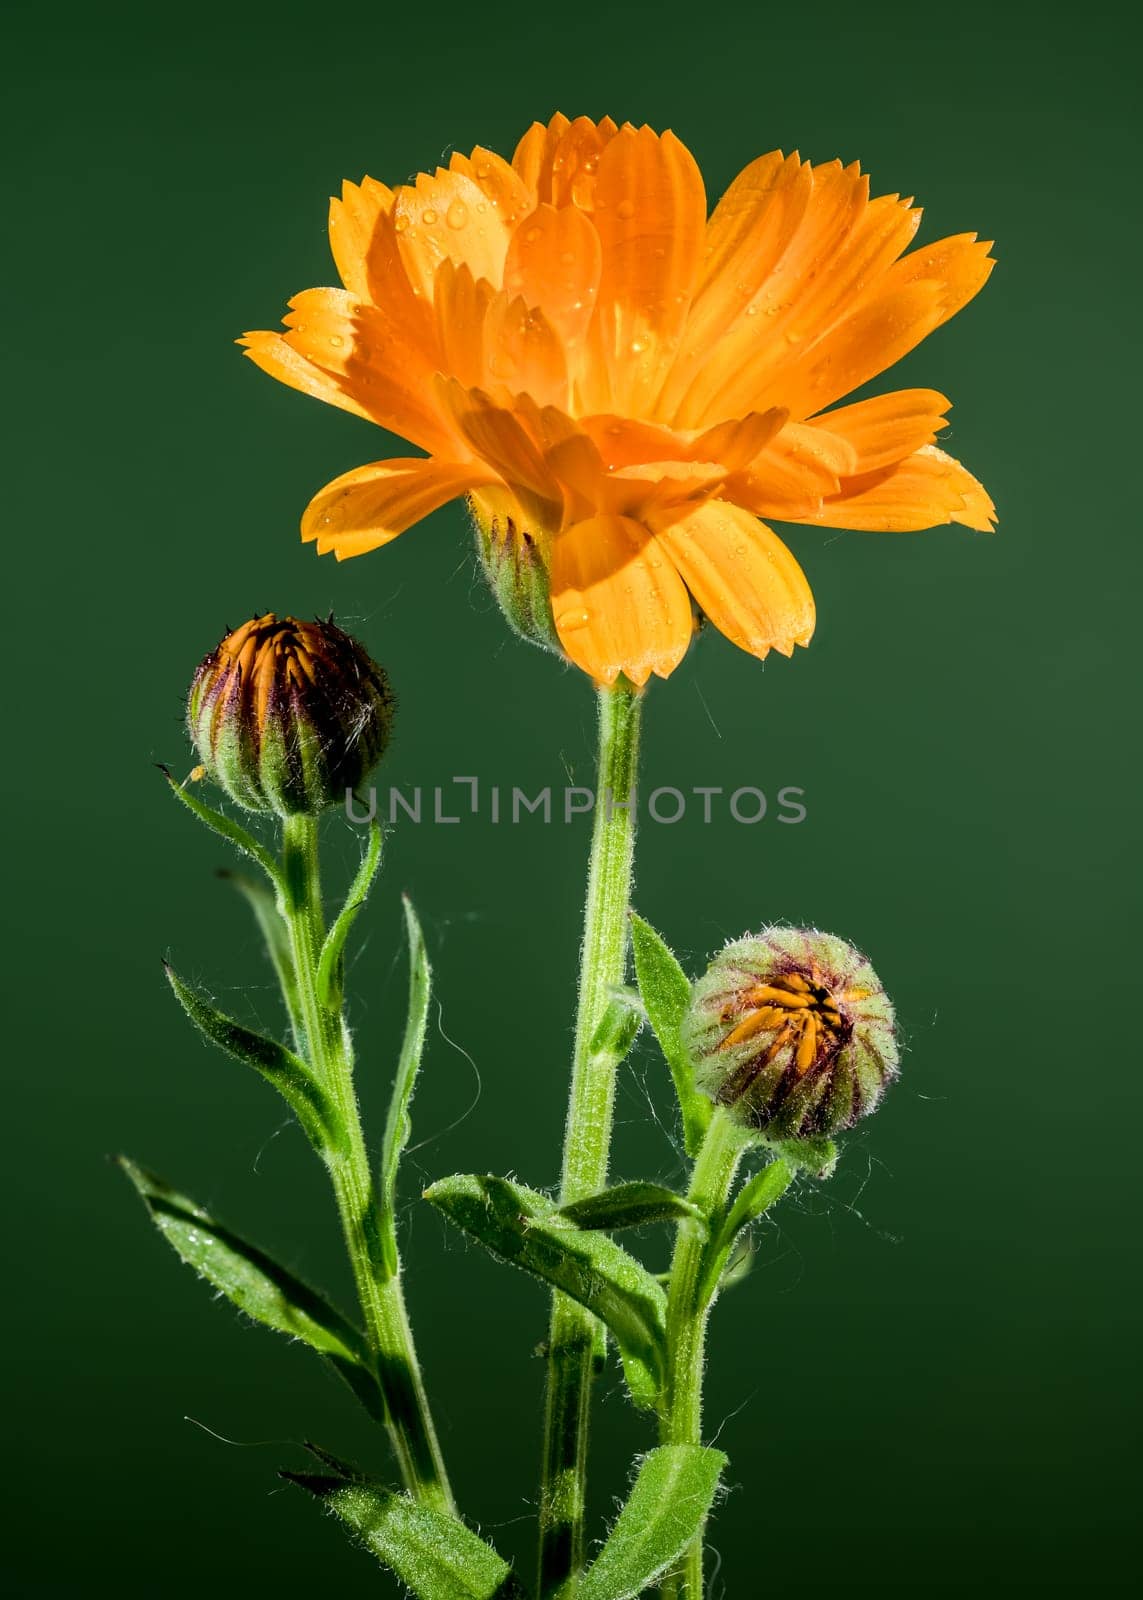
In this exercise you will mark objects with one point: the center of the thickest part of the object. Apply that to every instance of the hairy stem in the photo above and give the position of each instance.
(327, 1044)
(587, 1140)
(689, 1300)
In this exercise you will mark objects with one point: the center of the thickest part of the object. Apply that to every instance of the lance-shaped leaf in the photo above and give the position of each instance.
(226, 828)
(632, 1205)
(279, 1066)
(256, 1284)
(330, 974)
(755, 1198)
(666, 1509)
(526, 1228)
(276, 936)
(666, 993)
(434, 1555)
(398, 1124)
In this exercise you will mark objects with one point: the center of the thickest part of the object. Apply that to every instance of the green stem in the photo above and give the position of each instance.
(408, 1420)
(587, 1139)
(689, 1299)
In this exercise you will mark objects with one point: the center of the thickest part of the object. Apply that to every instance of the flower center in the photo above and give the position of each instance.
(795, 1013)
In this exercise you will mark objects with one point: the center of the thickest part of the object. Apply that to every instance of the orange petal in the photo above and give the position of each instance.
(533, 157)
(575, 157)
(830, 286)
(272, 354)
(504, 189)
(743, 578)
(650, 213)
(353, 222)
(523, 353)
(916, 295)
(747, 235)
(496, 435)
(884, 429)
(371, 505)
(366, 356)
(619, 605)
(927, 488)
(737, 443)
(554, 263)
(460, 306)
(794, 473)
(448, 217)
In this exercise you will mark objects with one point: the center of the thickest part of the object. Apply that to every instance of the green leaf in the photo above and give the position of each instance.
(436, 1556)
(615, 1032)
(256, 1284)
(398, 1124)
(233, 832)
(279, 1066)
(815, 1156)
(330, 973)
(632, 1205)
(739, 1263)
(264, 904)
(666, 993)
(665, 1511)
(526, 1229)
(755, 1198)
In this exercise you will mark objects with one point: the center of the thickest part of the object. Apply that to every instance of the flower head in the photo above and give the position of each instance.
(582, 351)
(288, 715)
(793, 1032)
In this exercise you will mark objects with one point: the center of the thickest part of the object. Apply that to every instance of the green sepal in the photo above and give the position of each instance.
(436, 1556)
(666, 992)
(398, 1124)
(616, 1030)
(632, 1205)
(527, 1229)
(276, 937)
(666, 1509)
(233, 832)
(739, 1263)
(331, 966)
(815, 1156)
(256, 1284)
(279, 1066)
(753, 1200)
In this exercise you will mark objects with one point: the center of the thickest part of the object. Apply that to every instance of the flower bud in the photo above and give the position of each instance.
(792, 1031)
(513, 563)
(288, 715)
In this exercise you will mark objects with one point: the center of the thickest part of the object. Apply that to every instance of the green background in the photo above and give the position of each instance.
(928, 1381)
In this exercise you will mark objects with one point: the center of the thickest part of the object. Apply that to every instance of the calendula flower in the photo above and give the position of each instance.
(625, 387)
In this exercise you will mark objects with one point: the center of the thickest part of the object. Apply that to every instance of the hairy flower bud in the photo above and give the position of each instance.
(792, 1031)
(288, 715)
(513, 564)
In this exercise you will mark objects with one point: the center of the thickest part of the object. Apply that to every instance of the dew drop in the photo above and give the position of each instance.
(457, 214)
(638, 346)
(401, 223)
(429, 218)
(568, 258)
(751, 311)
(336, 340)
(532, 235)
(625, 209)
(568, 621)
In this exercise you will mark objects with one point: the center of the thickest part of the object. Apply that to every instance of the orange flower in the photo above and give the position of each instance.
(585, 353)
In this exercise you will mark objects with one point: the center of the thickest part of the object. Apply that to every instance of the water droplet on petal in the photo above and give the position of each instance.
(575, 617)
(401, 223)
(532, 235)
(625, 209)
(336, 340)
(429, 218)
(457, 214)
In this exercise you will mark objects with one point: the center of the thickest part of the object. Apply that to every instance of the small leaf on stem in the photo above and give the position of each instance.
(398, 1124)
(434, 1555)
(666, 1509)
(632, 1205)
(666, 993)
(287, 1072)
(256, 1284)
(330, 964)
(527, 1230)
